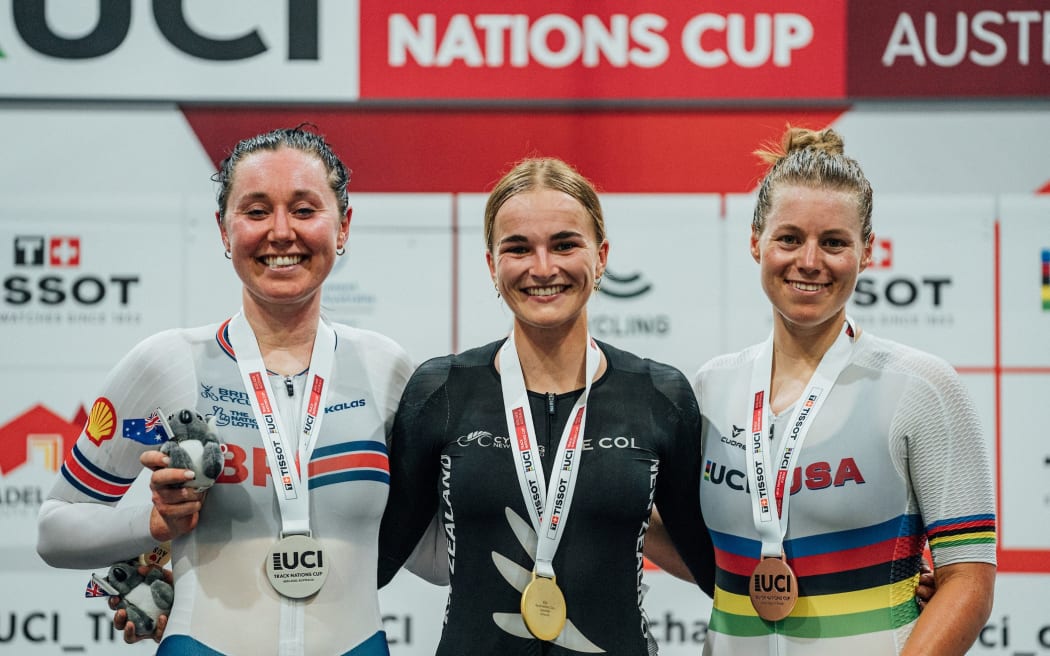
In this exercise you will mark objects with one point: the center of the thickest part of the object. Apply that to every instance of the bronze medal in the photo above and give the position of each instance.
(543, 608)
(773, 589)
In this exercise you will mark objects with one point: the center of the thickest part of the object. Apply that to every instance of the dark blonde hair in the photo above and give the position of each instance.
(815, 159)
(543, 173)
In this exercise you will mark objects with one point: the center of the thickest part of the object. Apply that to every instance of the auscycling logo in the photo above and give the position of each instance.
(629, 286)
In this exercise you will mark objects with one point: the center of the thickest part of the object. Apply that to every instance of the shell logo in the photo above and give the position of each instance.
(102, 421)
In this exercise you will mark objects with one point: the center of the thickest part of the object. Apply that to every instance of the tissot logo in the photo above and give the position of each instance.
(43, 275)
(36, 251)
(883, 289)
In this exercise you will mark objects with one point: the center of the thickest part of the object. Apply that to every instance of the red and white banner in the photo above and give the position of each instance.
(537, 51)
(618, 49)
(948, 48)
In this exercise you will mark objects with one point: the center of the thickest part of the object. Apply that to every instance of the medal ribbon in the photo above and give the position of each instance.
(771, 522)
(548, 525)
(289, 484)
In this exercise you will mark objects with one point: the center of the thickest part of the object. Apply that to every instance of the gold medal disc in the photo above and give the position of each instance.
(773, 589)
(543, 608)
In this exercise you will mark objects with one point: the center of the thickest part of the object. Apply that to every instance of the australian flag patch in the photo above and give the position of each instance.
(149, 430)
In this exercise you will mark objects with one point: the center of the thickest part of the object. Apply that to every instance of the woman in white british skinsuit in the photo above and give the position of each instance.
(301, 401)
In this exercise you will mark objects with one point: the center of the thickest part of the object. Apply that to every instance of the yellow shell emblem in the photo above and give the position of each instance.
(102, 421)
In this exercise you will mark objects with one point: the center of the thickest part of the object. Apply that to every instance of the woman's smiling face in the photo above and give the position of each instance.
(811, 251)
(282, 226)
(544, 258)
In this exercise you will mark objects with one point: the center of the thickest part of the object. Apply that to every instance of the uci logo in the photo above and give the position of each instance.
(291, 560)
(181, 50)
(772, 583)
(112, 23)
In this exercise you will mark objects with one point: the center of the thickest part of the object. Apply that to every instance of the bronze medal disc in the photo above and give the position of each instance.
(773, 589)
(543, 608)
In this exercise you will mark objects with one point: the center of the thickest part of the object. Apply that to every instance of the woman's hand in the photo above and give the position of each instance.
(927, 585)
(120, 617)
(176, 508)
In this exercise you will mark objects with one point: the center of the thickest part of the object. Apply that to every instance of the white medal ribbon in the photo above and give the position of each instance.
(548, 525)
(292, 498)
(291, 487)
(771, 518)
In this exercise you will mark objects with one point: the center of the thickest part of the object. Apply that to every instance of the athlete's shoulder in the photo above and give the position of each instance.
(369, 341)
(167, 347)
(479, 356)
(886, 355)
(172, 336)
(626, 361)
(728, 362)
(434, 374)
(666, 379)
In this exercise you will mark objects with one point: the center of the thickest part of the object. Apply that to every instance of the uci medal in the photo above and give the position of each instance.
(773, 589)
(543, 607)
(296, 566)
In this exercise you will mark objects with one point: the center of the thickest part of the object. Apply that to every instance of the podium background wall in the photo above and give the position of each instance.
(116, 171)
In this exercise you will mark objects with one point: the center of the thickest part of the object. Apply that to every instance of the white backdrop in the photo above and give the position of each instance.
(959, 275)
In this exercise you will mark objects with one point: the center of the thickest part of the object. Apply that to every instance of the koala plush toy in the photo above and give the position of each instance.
(145, 598)
(193, 444)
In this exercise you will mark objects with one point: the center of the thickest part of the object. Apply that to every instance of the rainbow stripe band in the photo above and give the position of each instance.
(1046, 279)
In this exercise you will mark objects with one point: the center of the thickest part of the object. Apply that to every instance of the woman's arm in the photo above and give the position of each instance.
(412, 502)
(954, 616)
(660, 550)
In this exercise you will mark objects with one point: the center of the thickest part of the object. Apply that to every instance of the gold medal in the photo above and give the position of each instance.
(773, 589)
(543, 607)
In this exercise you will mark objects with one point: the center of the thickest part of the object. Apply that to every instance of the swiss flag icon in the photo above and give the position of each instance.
(882, 254)
(64, 251)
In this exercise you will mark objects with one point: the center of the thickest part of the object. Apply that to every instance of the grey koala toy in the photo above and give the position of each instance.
(193, 444)
(145, 598)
